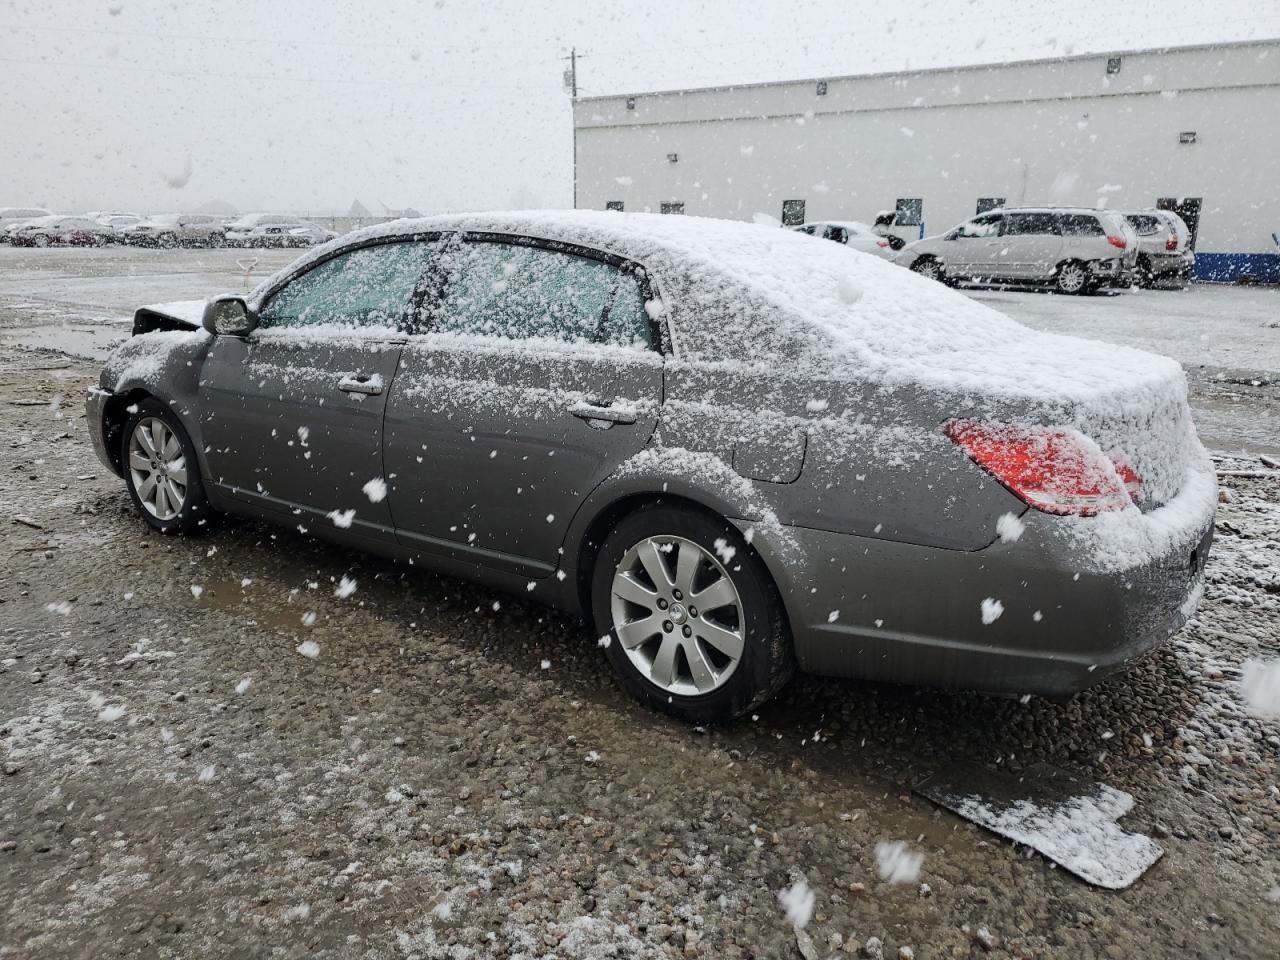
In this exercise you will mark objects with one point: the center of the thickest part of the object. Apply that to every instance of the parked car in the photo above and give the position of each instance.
(59, 231)
(1077, 250)
(176, 230)
(13, 216)
(274, 230)
(117, 222)
(308, 236)
(853, 234)
(1164, 247)
(849, 469)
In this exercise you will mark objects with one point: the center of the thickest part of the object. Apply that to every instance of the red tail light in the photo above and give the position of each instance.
(1056, 471)
(1172, 242)
(1117, 241)
(882, 243)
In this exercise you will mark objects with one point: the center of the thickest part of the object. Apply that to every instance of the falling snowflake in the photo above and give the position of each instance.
(375, 490)
(343, 518)
(309, 648)
(991, 610)
(346, 587)
(898, 863)
(798, 901)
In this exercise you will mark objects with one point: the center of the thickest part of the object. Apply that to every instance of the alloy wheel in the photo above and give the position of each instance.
(1071, 278)
(158, 468)
(677, 615)
(930, 269)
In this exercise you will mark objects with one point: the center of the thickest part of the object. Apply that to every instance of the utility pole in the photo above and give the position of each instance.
(571, 75)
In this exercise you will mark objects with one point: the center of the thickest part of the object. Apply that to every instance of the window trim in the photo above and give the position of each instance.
(431, 283)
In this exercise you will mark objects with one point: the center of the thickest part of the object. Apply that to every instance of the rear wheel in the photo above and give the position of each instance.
(695, 623)
(40, 240)
(928, 267)
(161, 471)
(1072, 277)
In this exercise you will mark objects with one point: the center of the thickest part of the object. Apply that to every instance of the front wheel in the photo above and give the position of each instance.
(161, 470)
(928, 267)
(1072, 278)
(695, 625)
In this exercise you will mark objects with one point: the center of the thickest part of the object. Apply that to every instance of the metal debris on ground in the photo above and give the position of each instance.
(1070, 821)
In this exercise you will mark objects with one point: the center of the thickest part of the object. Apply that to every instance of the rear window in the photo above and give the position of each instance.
(1144, 224)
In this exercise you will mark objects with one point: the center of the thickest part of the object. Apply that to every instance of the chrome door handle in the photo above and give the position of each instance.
(361, 383)
(595, 410)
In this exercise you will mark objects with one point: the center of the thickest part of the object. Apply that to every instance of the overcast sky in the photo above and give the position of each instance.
(448, 105)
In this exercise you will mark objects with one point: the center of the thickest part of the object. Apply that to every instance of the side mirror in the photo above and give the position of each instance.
(228, 316)
(953, 235)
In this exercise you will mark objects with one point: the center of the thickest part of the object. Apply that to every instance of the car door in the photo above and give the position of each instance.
(537, 373)
(1032, 245)
(292, 414)
(973, 248)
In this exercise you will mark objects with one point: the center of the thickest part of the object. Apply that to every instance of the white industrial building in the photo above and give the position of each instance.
(1196, 129)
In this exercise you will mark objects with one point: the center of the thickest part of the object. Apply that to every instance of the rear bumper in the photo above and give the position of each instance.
(895, 612)
(1178, 264)
(1111, 272)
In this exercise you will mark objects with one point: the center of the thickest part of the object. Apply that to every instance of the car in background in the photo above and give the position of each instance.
(60, 230)
(274, 230)
(1074, 249)
(845, 468)
(852, 233)
(13, 216)
(1164, 247)
(309, 236)
(117, 223)
(176, 230)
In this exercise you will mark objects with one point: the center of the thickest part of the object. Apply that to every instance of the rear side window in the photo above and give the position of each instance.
(1030, 224)
(1080, 225)
(369, 287)
(988, 226)
(518, 292)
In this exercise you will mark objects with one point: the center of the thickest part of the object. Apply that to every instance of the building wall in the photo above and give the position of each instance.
(1058, 132)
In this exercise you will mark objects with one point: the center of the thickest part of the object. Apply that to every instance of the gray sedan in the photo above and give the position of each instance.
(732, 450)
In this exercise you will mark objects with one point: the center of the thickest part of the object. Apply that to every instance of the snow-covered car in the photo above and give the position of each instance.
(176, 230)
(59, 231)
(1074, 249)
(855, 235)
(15, 216)
(273, 230)
(735, 451)
(117, 222)
(1164, 247)
(308, 236)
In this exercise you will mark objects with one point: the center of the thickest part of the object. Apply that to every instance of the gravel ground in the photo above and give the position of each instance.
(455, 773)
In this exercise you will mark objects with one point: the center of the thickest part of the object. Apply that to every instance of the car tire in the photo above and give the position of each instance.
(1071, 277)
(702, 666)
(160, 466)
(40, 240)
(929, 267)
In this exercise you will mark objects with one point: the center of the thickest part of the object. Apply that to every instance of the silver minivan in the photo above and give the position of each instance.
(1078, 250)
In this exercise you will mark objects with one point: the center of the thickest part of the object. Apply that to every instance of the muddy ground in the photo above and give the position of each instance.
(456, 774)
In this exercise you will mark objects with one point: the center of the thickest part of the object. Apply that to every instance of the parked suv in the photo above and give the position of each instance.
(1078, 250)
(12, 216)
(274, 230)
(1164, 247)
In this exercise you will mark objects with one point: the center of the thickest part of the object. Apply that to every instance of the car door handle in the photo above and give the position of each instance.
(361, 383)
(597, 410)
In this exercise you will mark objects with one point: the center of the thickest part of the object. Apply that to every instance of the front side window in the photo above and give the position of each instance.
(792, 213)
(518, 292)
(1030, 224)
(979, 227)
(369, 287)
(671, 206)
(1145, 225)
